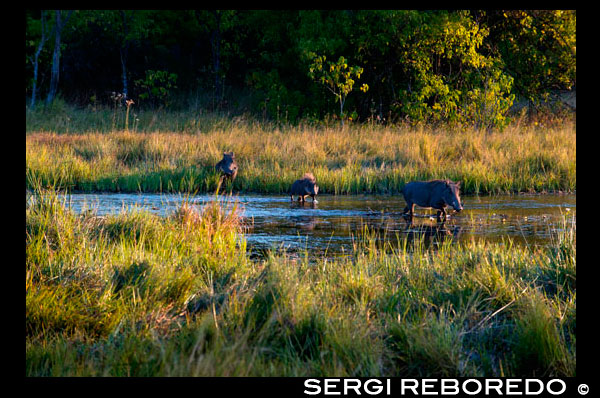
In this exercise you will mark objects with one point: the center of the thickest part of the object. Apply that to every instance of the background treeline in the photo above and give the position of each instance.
(286, 65)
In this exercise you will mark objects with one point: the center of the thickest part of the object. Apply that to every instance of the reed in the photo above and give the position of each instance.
(134, 294)
(357, 159)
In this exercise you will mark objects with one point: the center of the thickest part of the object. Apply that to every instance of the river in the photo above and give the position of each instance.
(333, 225)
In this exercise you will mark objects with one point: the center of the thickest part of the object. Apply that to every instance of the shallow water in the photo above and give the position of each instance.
(333, 224)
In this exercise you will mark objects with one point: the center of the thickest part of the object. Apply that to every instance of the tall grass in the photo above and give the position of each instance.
(133, 294)
(178, 151)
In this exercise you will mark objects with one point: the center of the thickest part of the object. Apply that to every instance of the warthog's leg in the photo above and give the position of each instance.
(410, 209)
(439, 213)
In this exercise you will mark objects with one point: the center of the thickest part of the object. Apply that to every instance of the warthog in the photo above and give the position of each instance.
(227, 166)
(307, 186)
(437, 194)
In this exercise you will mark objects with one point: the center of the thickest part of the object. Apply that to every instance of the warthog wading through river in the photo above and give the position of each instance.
(307, 186)
(437, 194)
(227, 166)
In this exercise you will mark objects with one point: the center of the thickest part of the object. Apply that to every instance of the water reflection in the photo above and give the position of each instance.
(431, 235)
(334, 224)
(297, 203)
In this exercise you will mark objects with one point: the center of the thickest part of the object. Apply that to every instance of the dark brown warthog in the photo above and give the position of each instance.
(437, 194)
(307, 186)
(227, 166)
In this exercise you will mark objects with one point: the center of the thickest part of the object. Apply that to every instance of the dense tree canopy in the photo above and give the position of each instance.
(464, 66)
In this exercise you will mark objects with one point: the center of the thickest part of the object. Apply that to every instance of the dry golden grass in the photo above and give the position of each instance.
(355, 159)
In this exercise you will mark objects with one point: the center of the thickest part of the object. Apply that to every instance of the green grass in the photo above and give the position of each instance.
(177, 151)
(134, 294)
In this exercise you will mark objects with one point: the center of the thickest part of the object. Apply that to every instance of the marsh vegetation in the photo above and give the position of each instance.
(138, 294)
(366, 101)
(356, 159)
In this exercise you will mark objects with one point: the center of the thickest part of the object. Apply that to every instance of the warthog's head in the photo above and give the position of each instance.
(452, 195)
(227, 165)
(311, 188)
(311, 184)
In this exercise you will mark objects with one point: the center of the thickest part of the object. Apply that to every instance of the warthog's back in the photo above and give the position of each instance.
(305, 186)
(302, 187)
(426, 193)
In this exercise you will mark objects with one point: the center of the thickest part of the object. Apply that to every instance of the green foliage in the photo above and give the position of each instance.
(421, 66)
(157, 87)
(538, 48)
(338, 77)
(278, 102)
(33, 34)
(453, 81)
(488, 106)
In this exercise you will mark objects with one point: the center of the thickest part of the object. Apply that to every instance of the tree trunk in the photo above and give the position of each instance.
(36, 57)
(56, 55)
(55, 59)
(342, 110)
(123, 52)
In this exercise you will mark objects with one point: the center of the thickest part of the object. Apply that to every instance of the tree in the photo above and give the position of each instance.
(429, 66)
(433, 65)
(157, 86)
(126, 18)
(128, 26)
(58, 27)
(450, 74)
(338, 77)
(134, 25)
(538, 48)
(383, 39)
(40, 46)
(121, 31)
(217, 22)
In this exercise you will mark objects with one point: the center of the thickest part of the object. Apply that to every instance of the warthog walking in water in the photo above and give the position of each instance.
(307, 186)
(437, 194)
(227, 166)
